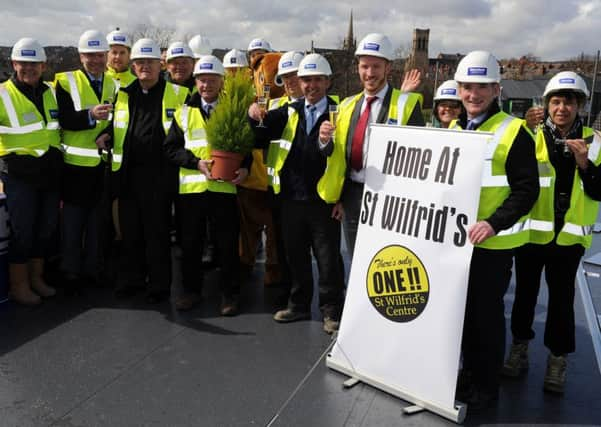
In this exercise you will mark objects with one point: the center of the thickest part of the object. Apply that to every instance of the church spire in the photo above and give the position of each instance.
(349, 42)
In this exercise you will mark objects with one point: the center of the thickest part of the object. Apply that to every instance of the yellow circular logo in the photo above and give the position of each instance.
(397, 284)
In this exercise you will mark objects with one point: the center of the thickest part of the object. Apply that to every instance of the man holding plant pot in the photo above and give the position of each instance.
(200, 195)
(308, 177)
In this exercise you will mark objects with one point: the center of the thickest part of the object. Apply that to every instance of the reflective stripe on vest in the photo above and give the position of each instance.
(495, 186)
(329, 185)
(192, 124)
(173, 98)
(80, 146)
(21, 137)
(582, 212)
(488, 179)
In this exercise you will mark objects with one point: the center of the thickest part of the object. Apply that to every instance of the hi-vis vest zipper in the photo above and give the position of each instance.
(193, 124)
(329, 185)
(80, 146)
(23, 130)
(173, 98)
(582, 213)
(495, 186)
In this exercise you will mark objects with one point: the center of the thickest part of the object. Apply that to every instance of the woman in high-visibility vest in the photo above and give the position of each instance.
(30, 165)
(569, 158)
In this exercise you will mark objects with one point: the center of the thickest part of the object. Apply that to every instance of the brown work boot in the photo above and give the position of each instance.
(36, 275)
(20, 290)
(516, 363)
(288, 315)
(330, 325)
(555, 376)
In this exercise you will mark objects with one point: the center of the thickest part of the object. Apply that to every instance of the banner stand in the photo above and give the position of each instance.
(457, 415)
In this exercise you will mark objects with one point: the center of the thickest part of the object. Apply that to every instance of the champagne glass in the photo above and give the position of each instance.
(266, 90)
(333, 110)
(538, 103)
(262, 103)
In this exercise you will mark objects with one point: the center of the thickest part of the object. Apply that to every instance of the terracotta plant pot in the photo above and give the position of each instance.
(225, 164)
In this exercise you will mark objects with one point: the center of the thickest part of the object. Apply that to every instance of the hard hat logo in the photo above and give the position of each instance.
(93, 43)
(372, 46)
(205, 66)
(232, 60)
(146, 50)
(119, 38)
(448, 92)
(567, 81)
(287, 64)
(177, 50)
(477, 71)
(310, 66)
(28, 52)
(257, 44)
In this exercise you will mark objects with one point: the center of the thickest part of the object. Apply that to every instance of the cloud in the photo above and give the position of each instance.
(508, 28)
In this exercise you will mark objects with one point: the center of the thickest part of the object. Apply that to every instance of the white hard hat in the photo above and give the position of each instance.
(118, 37)
(235, 59)
(179, 49)
(566, 80)
(375, 44)
(448, 90)
(478, 66)
(145, 49)
(314, 65)
(259, 44)
(92, 41)
(208, 64)
(289, 61)
(200, 46)
(28, 50)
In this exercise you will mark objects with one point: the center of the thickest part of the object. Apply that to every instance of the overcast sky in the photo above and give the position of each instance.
(550, 29)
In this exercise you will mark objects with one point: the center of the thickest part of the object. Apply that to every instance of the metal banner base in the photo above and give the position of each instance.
(456, 415)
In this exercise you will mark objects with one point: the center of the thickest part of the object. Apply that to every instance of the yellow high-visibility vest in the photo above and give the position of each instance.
(23, 130)
(193, 125)
(80, 146)
(582, 213)
(174, 97)
(495, 186)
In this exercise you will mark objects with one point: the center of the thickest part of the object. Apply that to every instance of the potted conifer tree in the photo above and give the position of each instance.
(228, 132)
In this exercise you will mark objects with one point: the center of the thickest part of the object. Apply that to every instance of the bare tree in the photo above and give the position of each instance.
(403, 51)
(161, 35)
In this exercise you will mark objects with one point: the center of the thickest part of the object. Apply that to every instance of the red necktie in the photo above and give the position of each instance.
(359, 135)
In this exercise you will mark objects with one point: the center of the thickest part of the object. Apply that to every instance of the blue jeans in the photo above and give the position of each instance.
(33, 216)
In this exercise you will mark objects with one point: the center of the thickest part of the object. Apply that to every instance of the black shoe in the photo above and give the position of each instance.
(157, 297)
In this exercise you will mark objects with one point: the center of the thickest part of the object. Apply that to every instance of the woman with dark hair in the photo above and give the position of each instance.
(569, 158)
(447, 104)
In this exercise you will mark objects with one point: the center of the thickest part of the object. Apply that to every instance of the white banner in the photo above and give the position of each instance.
(403, 316)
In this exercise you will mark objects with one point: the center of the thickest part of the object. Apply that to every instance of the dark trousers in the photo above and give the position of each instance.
(33, 214)
(221, 210)
(560, 264)
(351, 203)
(144, 216)
(309, 226)
(483, 342)
(79, 245)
